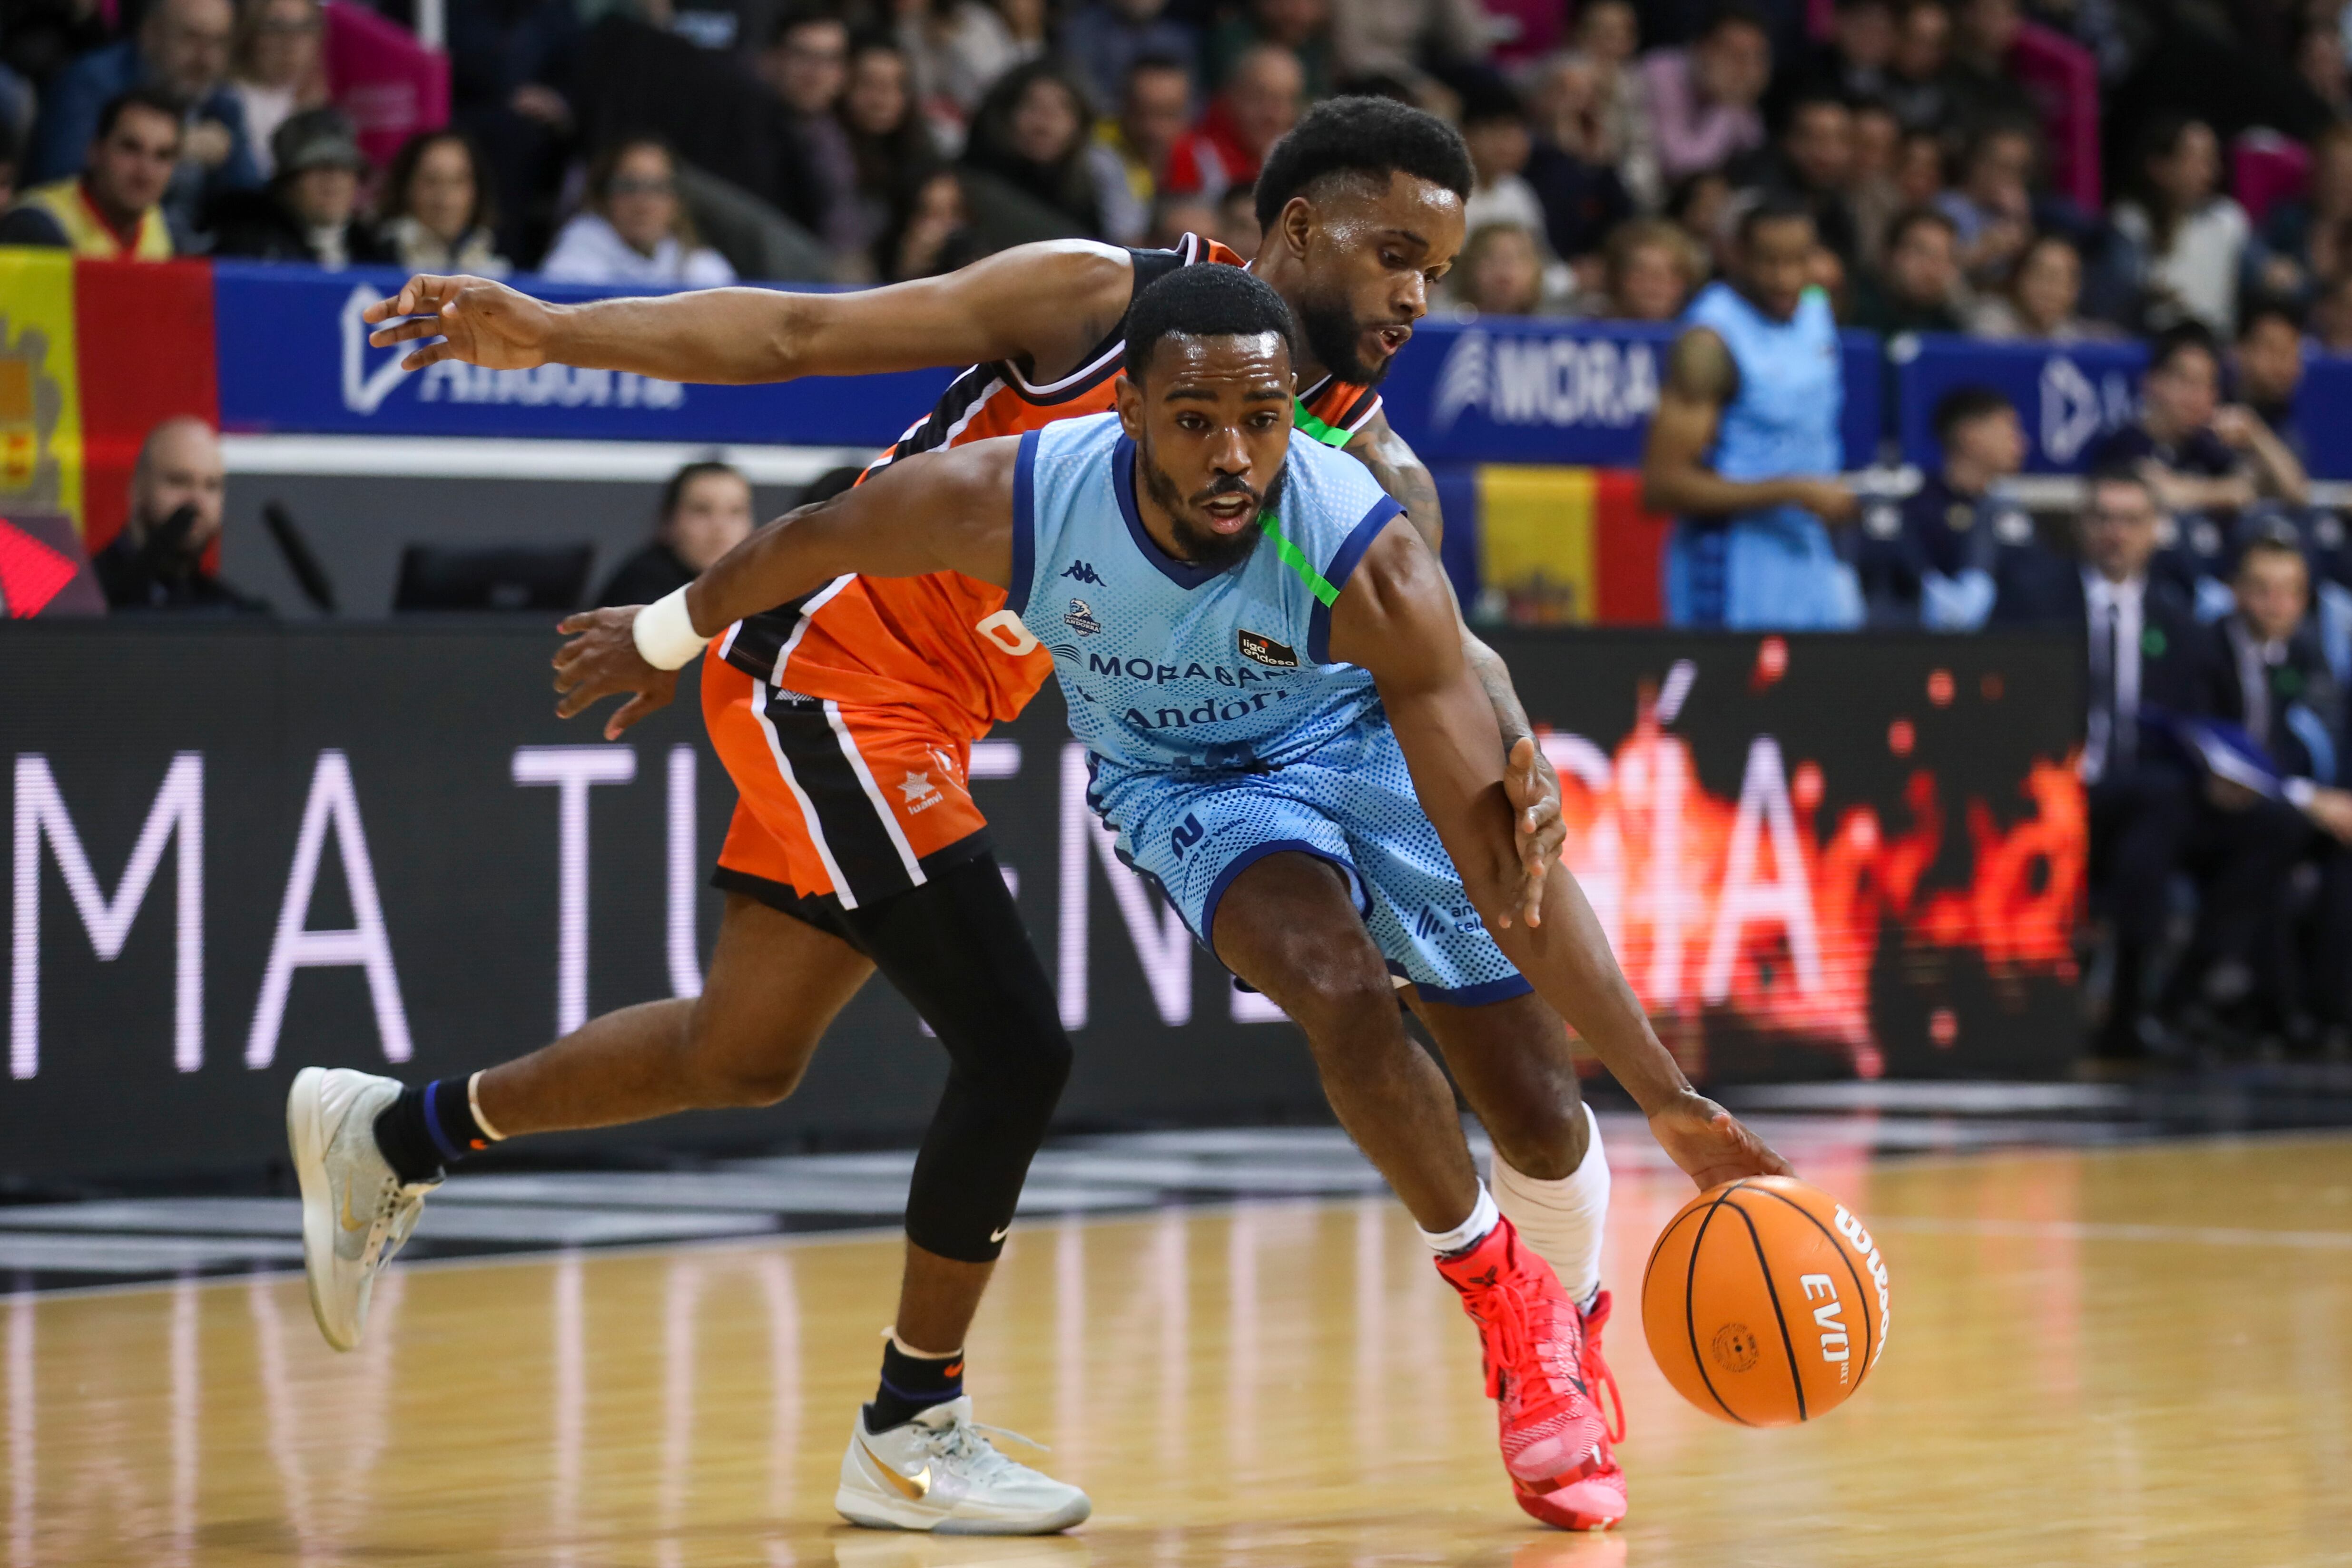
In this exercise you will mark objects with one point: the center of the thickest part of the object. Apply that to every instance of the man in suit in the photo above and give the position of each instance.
(2140, 644)
(2261, 668)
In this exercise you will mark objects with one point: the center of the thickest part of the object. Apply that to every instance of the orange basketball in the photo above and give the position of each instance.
(1765, 1303)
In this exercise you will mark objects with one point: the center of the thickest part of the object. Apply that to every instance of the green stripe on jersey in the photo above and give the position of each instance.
(1327, 435)
(1317, 583)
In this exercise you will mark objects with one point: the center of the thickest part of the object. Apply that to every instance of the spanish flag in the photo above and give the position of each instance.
(1569, 546)
(93, 355)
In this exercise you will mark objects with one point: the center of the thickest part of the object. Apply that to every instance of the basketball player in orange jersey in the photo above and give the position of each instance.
(846, 718)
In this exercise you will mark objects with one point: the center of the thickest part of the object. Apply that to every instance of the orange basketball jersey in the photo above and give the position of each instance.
(924, 642)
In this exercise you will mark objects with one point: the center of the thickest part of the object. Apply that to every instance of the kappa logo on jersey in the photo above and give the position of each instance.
(1187, 832)
(1079, 572)
(1265, 650)
(1082, 619)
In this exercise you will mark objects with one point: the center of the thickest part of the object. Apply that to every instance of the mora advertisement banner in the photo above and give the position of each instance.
(238, 851)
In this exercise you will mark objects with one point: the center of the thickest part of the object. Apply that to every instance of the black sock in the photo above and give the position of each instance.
(912, 1384)
(428, 1127)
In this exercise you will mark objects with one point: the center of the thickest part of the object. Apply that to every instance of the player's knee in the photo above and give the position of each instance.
(743, 1072)
(1335, 998)
(1541, 1137)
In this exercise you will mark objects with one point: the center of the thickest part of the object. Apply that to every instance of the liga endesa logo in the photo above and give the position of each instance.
(1554, 381)
(370, 376)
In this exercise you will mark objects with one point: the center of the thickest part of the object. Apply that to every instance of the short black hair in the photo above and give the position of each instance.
(2118, 474)
(1963, 404)
(2183, 338)
(2274, 536)
(1735, 14)
(1205, 300)
(1373, 137)
(675, 491)
(1775, 206)
(2267, 308)
(1913, 217)
(1488, 99)
(154, 99)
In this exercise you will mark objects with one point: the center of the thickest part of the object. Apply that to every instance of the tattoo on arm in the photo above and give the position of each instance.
(1699, 367)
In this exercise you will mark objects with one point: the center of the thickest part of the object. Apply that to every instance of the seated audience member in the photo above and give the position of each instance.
(1394, 39)
(1495, 128)
(2206, 462)
(1984, 89)
(1608, 37)
(1814, 163)
(2317, 55)
(156, 562)
(2183, 241)
(1991, 208)
(1852, 61)
(706, 511)
(2041, 298)
(1704, 98)
(1028, 150)
(1872, 195)
(2263, 671)
(1174, 215)
(927, 233)
(1920, 170)
(1914, 291)
(1500, 271)
(310, 209)
(1702, 207)
(1261, 101)
(889, 145)
(807, 64)
(635, 229)
(438, 211)
(112, 209)
(279, 69)
(2306, 240)
(1571, 164)
(181, 51)
(958, 48)
(2140, 636)
(1918, 85)
(1103, 38)
(1237, 227)
(1133, 147)
(1940, 561)
(2268, 369)
(1302, 27)
(1651, 269)
(2331, 314)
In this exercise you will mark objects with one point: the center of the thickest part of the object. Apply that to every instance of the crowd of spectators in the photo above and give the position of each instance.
(1616, 144)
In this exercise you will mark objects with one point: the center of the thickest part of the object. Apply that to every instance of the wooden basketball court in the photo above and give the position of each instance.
(2135, 1356)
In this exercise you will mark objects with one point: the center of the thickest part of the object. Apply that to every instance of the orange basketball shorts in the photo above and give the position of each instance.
(859, 802)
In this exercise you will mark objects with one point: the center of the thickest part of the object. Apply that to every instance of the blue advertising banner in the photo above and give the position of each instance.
(1505, 390)
(2323, 409)
(294, 358)
(2067, 395)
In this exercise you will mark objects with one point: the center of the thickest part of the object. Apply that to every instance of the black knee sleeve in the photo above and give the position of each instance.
(955, 949)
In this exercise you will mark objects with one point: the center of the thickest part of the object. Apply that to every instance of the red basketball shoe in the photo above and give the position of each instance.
(1596, 1500)
(1532, 1340)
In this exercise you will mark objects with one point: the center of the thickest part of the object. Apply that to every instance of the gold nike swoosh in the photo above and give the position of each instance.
(911, 1488)
(348, 1222)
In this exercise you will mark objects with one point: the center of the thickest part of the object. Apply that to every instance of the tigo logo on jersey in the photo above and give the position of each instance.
(1081, 617)
(1079, 572)
(1265, 650)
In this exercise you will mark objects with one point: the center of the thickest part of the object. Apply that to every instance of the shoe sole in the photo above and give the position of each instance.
(1539, 1508)
(306, 1137)
(883, 1513)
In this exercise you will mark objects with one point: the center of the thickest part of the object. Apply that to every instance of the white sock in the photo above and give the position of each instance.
(1561, 1220)
(1484, 1217)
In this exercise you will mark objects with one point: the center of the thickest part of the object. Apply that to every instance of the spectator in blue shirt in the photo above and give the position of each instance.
(181, 48)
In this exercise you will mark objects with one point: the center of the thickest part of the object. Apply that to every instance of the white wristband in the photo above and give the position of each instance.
(664, 632)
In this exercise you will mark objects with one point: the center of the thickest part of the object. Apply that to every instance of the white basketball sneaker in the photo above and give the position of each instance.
(939, 1472)
(356, 1212)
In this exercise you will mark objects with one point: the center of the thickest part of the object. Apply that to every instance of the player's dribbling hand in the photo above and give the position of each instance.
(602, 661)
(1710, 1144)
(1536, 825)
(477, 320)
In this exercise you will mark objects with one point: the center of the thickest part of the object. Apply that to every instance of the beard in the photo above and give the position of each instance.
(1335, 337)
(1195, 545)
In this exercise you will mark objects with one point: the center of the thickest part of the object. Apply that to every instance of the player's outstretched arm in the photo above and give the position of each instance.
(1039, 303)
(939, 511)
(1533, 785)
(1396, 620)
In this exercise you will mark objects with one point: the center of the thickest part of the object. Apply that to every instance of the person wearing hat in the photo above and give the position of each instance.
(310, 211)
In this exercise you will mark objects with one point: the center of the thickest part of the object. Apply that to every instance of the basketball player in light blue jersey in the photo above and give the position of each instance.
(1745, 448)
(1261, 658)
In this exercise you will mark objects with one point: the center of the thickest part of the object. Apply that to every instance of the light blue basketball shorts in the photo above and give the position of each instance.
(1351, 802)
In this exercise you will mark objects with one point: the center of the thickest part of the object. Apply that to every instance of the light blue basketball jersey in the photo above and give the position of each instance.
(1168, 666)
